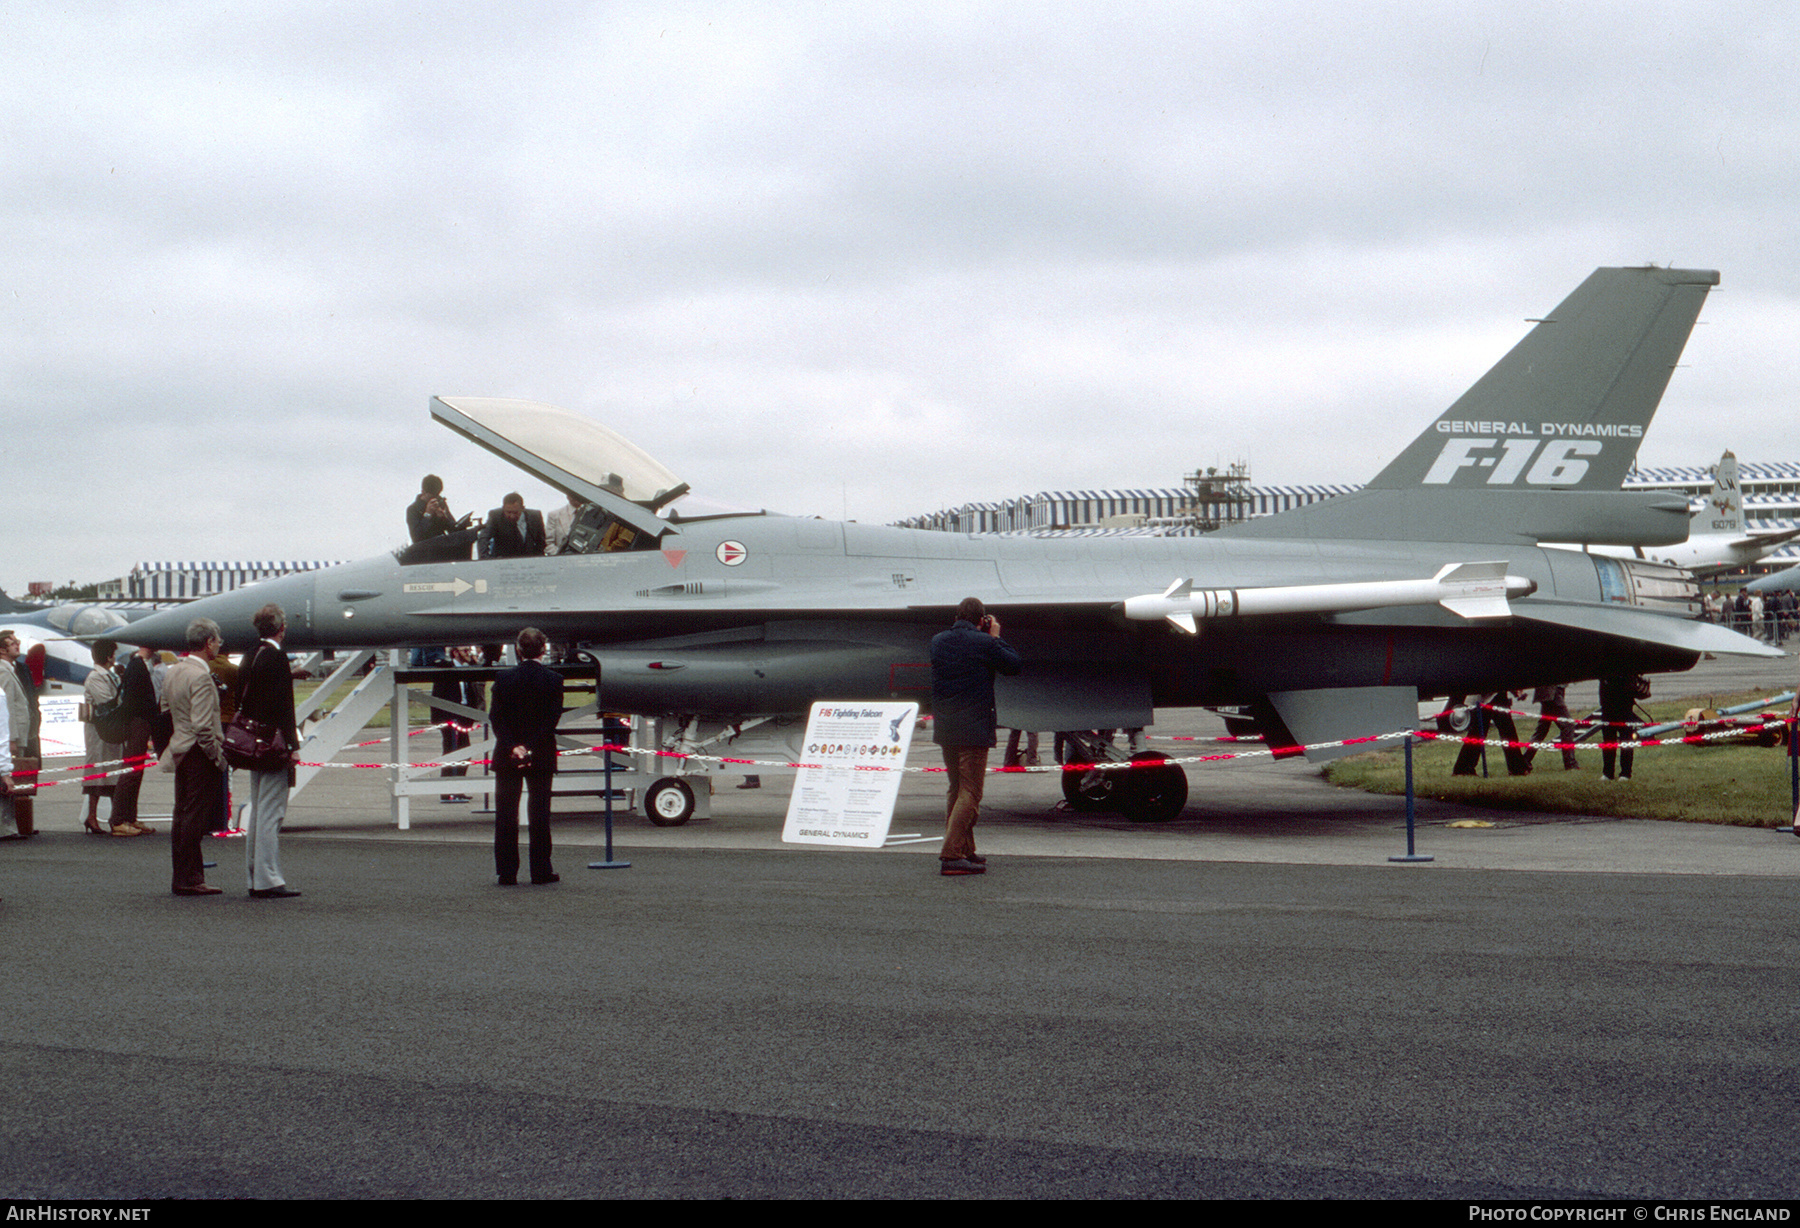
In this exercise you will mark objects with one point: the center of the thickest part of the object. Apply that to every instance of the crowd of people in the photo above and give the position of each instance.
(157, 709)
(1771, 617)
(198, 716)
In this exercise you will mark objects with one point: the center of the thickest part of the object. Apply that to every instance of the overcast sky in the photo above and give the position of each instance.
(835, 260)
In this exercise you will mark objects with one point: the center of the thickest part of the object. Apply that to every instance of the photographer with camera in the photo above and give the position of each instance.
(964, 661)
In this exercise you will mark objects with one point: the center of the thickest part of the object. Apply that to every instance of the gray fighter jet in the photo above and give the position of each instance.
(1324, 623)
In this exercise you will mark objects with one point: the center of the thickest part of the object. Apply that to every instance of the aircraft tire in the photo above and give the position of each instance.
(1099, 793)
(669, 802)
(1153, 795)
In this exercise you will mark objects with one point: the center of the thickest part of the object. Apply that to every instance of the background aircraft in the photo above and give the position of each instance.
(1776, 581)
(1718, 539)
(1327, 622)
(67, 633)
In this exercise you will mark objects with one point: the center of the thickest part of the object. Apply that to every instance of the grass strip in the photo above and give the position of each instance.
(1723, 782)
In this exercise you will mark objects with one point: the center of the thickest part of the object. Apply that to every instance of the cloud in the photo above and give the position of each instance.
(824, 258)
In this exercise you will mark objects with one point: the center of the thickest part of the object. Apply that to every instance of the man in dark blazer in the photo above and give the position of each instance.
(265, 692)
(512, 531)
(964, 661)
(428, 516)
(527, 702)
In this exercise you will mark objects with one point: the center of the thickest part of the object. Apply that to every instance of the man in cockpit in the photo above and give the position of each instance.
(561, 521)
(512, 530)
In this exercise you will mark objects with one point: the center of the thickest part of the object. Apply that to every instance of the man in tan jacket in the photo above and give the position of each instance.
(196, 755)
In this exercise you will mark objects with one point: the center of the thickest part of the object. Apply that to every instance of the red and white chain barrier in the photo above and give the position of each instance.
(119, 767)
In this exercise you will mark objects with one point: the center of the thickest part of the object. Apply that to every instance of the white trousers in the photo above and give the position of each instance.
(262, 833)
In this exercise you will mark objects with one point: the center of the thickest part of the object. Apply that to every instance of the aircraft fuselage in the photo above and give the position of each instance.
(759, 614)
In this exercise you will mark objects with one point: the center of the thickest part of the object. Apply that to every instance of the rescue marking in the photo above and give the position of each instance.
(455, 588)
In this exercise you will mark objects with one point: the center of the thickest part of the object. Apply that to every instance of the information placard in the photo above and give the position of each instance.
(843, 795)
(61, 733)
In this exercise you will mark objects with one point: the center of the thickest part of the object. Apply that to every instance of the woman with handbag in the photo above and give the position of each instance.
(263, 738)
(104, 714)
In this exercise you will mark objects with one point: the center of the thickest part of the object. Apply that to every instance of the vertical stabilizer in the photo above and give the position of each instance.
(1567, 408)
(1724, 510)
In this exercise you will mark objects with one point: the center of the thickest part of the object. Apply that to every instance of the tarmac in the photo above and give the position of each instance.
(1250, 1001)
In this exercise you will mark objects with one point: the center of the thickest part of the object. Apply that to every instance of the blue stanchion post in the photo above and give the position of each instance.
(1411, 853)
(607, 733)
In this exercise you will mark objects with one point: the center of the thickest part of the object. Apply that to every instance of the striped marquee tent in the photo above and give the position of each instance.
(1771, 501)
(1076, 509)
(163, 581)
(1754, 477)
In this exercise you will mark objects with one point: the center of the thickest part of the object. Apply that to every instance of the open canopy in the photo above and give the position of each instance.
(574, 454)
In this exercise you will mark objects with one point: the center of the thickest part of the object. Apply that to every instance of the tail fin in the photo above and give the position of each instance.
(1724, 511)
(1567, 408)
(1539, 448)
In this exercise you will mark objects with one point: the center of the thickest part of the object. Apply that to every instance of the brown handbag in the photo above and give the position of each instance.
(255, 745)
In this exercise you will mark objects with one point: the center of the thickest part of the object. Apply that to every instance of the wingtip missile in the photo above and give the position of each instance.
(1468, 590)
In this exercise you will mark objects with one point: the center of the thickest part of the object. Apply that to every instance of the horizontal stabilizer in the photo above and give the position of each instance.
(1770, 538)
(1646, 625)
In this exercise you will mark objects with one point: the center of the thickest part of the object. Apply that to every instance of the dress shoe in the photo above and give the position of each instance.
(202, 889)
(509, 881)
(548, 878)
(960, 865)
(283, 892)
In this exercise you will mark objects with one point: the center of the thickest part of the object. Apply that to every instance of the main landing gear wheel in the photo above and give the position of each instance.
(1089, 790)
(669, 802)
(1152, 794)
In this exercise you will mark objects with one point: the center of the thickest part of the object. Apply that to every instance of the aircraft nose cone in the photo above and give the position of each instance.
(233, 612)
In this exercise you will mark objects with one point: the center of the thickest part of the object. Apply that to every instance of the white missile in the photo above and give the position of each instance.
(1472, 590)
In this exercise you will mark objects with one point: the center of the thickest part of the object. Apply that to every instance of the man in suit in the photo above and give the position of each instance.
(512, 531)
(964, 661)
(526, 704)
(140, 716)
(265, 692)
(196, 755)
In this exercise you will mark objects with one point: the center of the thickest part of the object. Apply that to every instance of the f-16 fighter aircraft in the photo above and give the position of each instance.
(1327, 622)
